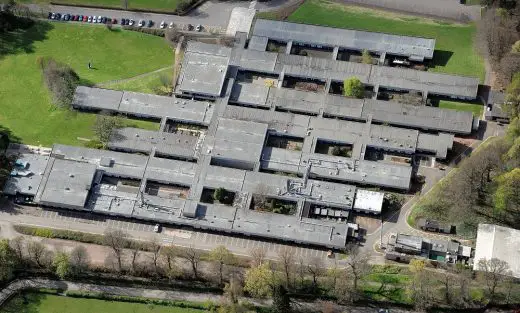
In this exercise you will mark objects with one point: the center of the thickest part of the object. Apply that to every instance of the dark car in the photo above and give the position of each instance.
(50, 16)
(150, 23)
(190, 27)
(124, 21)
(66, 17)
(57, 16)
(114, 21)
(104, 20)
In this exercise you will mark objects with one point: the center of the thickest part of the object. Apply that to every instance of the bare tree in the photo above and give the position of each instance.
(286, 261)
(79, 259)
(38, 253)
(493, 272)
(448, 278)
(155, 248)
(260, 195)
(333, 273)
(357, 264)
(316, 269)
(193, 256)
(135, 251)
(116, 239)
(222, 256)
(17, 244)
(258, 256)
(301, 271)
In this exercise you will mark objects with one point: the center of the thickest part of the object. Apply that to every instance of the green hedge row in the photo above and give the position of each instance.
(60, 234)
(208, 306)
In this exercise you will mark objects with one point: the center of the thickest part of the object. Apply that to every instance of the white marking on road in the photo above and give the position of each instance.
(252, 4)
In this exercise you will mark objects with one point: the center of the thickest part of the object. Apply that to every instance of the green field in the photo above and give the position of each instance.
(461, 106)
(44, 303)
(155, 5)
(454, 52)
(25, 106)
(148, 84)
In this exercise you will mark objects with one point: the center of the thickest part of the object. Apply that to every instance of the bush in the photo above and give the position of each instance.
(353, 87)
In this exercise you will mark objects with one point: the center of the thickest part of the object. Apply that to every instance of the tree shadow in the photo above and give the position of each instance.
(440, 58)
(21, 40)
(26, 302)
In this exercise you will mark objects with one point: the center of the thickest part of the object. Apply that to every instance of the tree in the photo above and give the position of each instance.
(333, 273)
(512, 103)
(286, 261)
(448, 278)
(17, 244)
(104, 127)
(222, 256)
(79, 259)
(169, 253)
(493, 272)
(316, 269)
(366, 57)
(357, 263)
(155, 248)
(420, 288)
(62, 266)
(353, 87)
(257, 256)
(135, 250)
(507, 195)
(60, 79)
(8, 260)
(259, 280)
(193, 256)
(516, 47)
(219, 194)
(116, 239)
(281, 300)
(37, 253)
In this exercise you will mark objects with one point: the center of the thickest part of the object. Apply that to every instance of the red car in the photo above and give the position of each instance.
(114, 21)
(85, 18)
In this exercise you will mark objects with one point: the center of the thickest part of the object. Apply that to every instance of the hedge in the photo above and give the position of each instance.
(60, 234)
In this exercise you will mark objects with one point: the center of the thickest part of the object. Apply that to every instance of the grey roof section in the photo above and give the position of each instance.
(27, 184)
(68, 184)
(140, 140)
(96, 98)
(499, 242)
(238, 140)
(369, 201)
(144, 105)
(494, 105)
(496, 97)
(438, 144)
(204, 69)
(433, 83)
(420, 117)
(170, 171)
(409, 242)
(249, 94)
(295, 100)
(253, 60)
(345, 38)
(258, 43)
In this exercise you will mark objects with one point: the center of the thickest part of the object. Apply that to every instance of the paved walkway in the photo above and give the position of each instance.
(19, 285)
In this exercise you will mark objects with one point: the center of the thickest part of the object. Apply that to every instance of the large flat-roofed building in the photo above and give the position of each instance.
(295, 163)
(415, 48)
(498, 242)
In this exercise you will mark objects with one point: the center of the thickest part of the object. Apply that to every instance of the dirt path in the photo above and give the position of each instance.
(117, 81)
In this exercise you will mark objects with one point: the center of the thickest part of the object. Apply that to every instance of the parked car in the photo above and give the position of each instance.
(141, 23)
(131, 22)
(171, 25)
(163, 25)
(157, 228)
(99, 19)
(104, 20)
(114, 21)
(190, 27)
(85, 18)
(198, 28)
(53, 16)
(80, 18)
(57, 16)
(90, 19)
(150, 23)
(50, 15)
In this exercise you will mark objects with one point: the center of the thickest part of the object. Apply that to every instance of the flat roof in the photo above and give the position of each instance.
(29, 178)
(499, 242)
(369, 201)
(68, 183)
(204, 69)
(345, 38)
(97, 98)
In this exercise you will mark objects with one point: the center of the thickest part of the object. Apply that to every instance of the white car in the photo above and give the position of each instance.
(157, 228)
(198, 28)
(141, 23)
(94, 19)
(163, 24)
(131, 22)
(99, 19)
(171, 25)
(90, 19)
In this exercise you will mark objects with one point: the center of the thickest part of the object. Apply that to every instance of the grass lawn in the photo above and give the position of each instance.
(25, 106)
(147, 84)
(155, 5)
(44, 303)
(454, 52)
(476, 108)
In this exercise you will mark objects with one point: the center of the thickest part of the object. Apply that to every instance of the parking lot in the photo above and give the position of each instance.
(179, 236)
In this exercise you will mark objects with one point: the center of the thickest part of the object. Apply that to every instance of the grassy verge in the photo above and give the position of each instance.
(475, 108)
(455, 52)
(25, 106)
(81, 302)
(155, 5)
